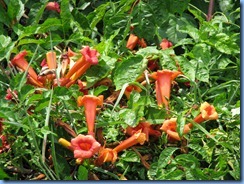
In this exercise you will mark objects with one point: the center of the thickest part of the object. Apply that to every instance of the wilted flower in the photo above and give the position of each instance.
(131, 88)
(106, 155)
(4, 145)
(11, 94)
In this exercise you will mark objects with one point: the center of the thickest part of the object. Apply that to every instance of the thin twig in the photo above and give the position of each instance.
(210, 10)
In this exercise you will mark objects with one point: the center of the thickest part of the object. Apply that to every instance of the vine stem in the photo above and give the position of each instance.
(210, 10)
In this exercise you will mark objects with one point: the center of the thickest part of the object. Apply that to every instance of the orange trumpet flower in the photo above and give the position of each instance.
(164, 79)
(208, 112)
(89, 57)
(51, 60)
(110, 155)
(84, 146)
(106, 155)
(132, 41)
(90, 103)
(146, 128)
(20, 61)
(136, 138)
(169, 127)
(165, 44)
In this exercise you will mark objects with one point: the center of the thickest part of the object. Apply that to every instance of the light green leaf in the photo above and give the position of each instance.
(82, 173)
(128, 70)
(165, 157)
(181, 120)
(187, 161)
(15, 9)
(130, 156)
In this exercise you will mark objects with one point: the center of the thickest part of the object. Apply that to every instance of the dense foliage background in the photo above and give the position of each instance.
(206, 51)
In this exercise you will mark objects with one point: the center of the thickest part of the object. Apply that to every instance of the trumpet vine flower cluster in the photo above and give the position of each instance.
(70, 71)
(207, 112)
(86, 146)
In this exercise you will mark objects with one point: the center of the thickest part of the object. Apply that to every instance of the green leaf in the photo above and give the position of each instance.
(128, 70)
(171, 175)
(63, 167)
(97, 15)
(168, 59)
(155, 115)
(144, 20)
(82, 173)
(130, 117)
(42, 105)
(96, 73)
(152, 172)
(149, 52)
(203, 130)
(165, 157)
(173, 29)
(115, 22)
(130, 156)
(46, 130)
(187, 67)
(187, 161)
(177, 6)
(99, 90)
(199, 149)
(201, 69)
(65, 14)
(51, 24)
(15, 82)
(4, 18)
(3, 175)
(40, 11)
(198, 14)
(15, 10)
(25, 92)
(181, 120)
(223, 62)
(202, 52)
(195, 174)
(225, 44)
(30, 41)
(6, 45)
